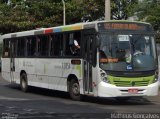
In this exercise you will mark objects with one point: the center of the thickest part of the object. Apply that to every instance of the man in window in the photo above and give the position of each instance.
(77, 46)
(74, 45)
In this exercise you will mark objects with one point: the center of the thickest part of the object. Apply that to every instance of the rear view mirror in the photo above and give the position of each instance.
(98, 42)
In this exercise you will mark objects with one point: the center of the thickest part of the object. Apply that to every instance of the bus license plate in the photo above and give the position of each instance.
(133, 91)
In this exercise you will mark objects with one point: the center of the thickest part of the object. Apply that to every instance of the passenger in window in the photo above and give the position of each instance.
(6, 52)
(74, 45)
(36, 53)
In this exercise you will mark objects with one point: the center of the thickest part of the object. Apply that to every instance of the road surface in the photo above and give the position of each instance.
(43, 103)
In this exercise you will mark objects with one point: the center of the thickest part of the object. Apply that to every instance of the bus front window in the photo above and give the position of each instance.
(127, 52)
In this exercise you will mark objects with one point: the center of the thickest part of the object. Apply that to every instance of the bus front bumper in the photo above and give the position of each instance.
(109, 90)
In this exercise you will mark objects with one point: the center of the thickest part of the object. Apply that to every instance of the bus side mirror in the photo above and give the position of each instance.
(98, 42)
(94, 52)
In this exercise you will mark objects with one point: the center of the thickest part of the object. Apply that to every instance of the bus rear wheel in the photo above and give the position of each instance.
(74, 90)
(23, 82)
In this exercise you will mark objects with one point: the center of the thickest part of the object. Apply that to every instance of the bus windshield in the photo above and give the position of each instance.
(127, 52)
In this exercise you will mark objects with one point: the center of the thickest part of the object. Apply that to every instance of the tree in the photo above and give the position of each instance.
(20, 15)
(94, 9)
(148, 10)
(25, 15)
(122, 9)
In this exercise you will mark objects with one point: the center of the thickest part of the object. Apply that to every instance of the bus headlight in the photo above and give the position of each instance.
(155, 80)
(103, 74)
(104, 77)
(156, 77)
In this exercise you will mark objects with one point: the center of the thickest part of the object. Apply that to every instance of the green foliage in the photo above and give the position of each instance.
(22, 15)
(94, 8)
(122, 9)
(149, 11)
(26, 15)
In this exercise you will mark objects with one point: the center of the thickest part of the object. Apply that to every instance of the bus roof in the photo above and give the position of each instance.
(77, 26)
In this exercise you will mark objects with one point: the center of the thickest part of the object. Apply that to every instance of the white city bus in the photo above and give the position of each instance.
(115, 59)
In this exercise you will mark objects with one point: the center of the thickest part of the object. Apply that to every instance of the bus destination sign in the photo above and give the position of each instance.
(124, 26)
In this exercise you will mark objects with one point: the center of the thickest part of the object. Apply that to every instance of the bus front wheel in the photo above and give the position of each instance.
(23, 82)
(74, 90)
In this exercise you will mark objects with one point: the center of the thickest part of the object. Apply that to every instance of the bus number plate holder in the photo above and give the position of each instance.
(133, 91)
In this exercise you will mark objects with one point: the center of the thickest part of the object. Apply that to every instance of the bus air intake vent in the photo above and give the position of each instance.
(131, 83)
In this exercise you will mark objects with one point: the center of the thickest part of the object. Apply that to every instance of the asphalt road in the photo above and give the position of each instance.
(43, 103)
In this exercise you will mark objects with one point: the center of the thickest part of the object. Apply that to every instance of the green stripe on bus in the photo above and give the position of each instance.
(125, 81)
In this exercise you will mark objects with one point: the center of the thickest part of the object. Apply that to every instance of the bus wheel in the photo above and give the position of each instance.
(23, 82)
(74, 90)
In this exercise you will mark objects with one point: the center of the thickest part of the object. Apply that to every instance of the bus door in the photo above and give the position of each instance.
(88, 63)
(12, 60)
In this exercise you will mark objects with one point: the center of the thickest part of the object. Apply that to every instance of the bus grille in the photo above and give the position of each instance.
(131, 83)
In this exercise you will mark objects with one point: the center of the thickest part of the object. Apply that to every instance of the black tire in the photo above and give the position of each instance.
(23, 82)
(74, 90)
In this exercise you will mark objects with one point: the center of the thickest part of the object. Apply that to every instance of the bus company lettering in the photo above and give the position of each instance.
(28, 64)
(66, 65)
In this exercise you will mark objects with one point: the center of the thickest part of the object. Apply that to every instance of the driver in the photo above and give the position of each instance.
(128, 56)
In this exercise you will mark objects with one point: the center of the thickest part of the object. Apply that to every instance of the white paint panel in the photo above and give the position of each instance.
(69, 68)
(53, 69)
(45, 73)
(6, 64)
(6, 69)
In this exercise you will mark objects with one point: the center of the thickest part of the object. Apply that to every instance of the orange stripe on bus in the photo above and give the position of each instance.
(109, 60)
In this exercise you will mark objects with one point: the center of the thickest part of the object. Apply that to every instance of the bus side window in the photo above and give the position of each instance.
(51, 52)
(68, 43)
(31, 46)
(28, 42)
(50, 48)
(56, 45)
(43, 45)
(72, 47)
(21, 47)
(6, 48)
